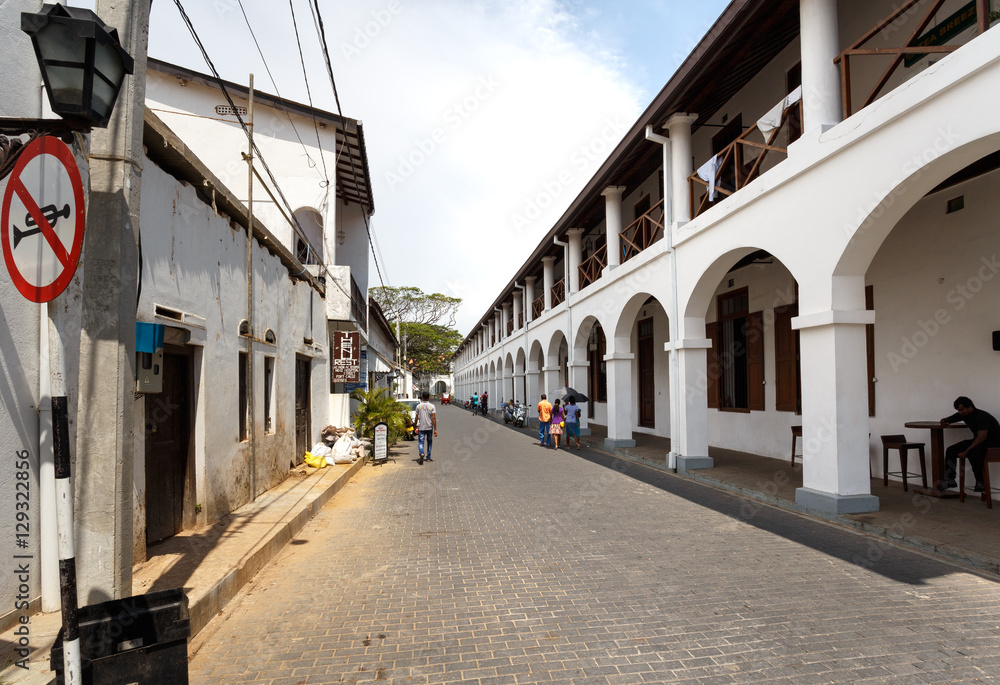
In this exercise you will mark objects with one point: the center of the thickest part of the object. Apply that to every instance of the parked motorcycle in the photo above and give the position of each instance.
(520, 415)
(509, 410)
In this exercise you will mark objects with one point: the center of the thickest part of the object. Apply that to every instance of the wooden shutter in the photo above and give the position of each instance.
(870, 348)
(755, 361)
(714, 370)
(786, 360)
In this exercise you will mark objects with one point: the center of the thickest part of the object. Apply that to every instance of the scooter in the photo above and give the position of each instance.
(520, 415)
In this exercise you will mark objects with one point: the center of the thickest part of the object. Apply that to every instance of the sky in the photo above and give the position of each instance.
(483, 119)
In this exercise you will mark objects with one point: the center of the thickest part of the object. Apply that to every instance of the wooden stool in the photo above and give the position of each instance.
(796, 433)
(898, 442)
(992, 457)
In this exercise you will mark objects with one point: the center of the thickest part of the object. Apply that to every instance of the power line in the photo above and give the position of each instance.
(326, 176)
(246, 129)
(318, 20)
(305, 77)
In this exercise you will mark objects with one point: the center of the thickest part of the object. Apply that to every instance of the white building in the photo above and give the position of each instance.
(842, 279)
(220, 430)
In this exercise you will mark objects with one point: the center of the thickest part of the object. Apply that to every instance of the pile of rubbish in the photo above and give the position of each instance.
(337, 446)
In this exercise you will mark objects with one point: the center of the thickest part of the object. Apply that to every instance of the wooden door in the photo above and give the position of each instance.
(647, 401)
(168, 436)
(302, 403)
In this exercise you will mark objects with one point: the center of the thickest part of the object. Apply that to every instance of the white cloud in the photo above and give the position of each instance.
(472, 112)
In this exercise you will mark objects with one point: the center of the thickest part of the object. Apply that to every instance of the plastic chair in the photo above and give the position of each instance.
(899, 442)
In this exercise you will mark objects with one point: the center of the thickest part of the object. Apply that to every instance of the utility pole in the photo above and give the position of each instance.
(104, 429)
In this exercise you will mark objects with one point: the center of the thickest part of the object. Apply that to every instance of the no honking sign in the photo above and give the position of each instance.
(42, 220)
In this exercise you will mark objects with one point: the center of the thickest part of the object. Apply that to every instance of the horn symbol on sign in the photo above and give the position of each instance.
(51, 214)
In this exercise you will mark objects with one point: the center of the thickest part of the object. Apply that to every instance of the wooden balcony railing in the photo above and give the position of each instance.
(981, 13)
(737, 168)
(510, 327)
(558, 292)
(520, 320)
(592, 267)
(642, 232)
(537, 307)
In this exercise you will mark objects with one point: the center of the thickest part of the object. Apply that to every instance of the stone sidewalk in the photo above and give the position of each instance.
(504, 563)
(211, 563)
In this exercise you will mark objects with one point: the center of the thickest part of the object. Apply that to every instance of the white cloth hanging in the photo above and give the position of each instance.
(772, 119)
(707, 172)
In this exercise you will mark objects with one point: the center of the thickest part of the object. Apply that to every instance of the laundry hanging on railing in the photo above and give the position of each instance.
(772, 119)
(707, 172)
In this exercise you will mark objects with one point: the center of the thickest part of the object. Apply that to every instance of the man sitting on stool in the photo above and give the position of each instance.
(986, 434)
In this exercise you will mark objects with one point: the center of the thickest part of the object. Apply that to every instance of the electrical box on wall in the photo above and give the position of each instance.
(148, 357)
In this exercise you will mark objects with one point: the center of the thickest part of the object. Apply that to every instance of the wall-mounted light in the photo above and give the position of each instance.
(341, 237)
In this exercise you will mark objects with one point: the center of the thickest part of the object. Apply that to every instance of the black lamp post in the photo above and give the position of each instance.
(83, 66)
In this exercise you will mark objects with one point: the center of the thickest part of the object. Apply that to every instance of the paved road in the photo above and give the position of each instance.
(501, 562)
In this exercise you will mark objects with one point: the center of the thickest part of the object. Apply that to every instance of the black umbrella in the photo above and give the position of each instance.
(563, 393)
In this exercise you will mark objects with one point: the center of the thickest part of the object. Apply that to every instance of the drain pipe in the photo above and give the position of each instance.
(668, 235)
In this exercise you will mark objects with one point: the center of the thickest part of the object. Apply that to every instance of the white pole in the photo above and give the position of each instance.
(72, 674)
(49, 545)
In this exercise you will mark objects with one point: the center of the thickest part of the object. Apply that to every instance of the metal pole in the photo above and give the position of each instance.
(67, 557)
(250, 338)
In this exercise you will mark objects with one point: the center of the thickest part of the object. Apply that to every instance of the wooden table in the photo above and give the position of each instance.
(937, 455)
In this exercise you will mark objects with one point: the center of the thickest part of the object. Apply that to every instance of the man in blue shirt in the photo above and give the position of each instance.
(985, 434)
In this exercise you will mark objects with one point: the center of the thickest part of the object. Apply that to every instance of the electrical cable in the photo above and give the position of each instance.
(305, 77)
(296, 227)
(312, 163)
(318, 20)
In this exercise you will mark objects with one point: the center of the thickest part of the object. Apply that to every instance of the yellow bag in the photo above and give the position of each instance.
(313, 461)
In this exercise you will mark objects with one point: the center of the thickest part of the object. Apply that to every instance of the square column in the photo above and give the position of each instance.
(820, 44)
(534, 377)
(517, 310)
(529, 297)
(578, 379)
(519, 387)
(504, 317)
(575, 254)
(548, 280)
(620, 395)
(613, 223)
(681, 166)
(835, 461)
(551, 380)
(691, 441)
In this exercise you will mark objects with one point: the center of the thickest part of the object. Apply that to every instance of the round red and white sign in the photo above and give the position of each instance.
(43, 219)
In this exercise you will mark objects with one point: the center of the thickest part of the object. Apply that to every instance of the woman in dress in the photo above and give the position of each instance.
(555, 428)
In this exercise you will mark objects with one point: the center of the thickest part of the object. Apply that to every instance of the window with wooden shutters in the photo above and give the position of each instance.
(788, 389)
(714, 370)
(740, 353)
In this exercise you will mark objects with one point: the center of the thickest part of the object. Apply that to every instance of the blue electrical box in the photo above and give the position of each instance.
(148, 357)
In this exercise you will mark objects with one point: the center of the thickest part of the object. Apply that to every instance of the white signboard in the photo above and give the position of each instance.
(381, 452)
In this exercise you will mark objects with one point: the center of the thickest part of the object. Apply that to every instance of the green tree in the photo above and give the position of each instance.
(414, 305)
(429, 347)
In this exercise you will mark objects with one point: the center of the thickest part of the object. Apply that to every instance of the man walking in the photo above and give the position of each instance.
(427, 424)
(544, 417)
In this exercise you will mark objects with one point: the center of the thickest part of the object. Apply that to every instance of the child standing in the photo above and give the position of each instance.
(556, 429)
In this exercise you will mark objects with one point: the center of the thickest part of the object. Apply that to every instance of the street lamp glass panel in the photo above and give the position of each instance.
(63, 55)
(109, 72)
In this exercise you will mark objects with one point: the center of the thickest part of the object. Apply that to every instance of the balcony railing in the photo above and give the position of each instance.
(359, 305)
(537, 307)
(510, 327)
(558, 292)
(520, 320)
(642, 232)
(979, 12)
(592, 267)
(741, 162)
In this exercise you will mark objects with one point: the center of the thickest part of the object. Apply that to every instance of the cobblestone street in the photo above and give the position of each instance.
(501, 562)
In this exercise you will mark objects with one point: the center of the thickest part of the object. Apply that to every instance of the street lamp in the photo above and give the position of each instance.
(83, 66)
(81, 59)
